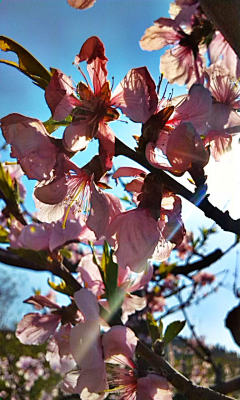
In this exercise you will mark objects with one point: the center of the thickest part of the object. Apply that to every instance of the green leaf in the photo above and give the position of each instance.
(3, 235)
(165, 269)
(27, 63)
(61, 288)
(160, 328)
(172, 331)
(153, 328)
(110, 270)
(65, 253)
(10, 191)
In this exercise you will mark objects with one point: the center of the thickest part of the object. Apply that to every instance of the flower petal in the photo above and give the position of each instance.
(59, 95)
(136, 96)
(35, 328)
(31, 145)
(81, 4)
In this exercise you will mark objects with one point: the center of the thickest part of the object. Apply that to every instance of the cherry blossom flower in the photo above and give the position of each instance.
(90, 275)
(119, 346)
(70, 187)
(224, 115)
(95, 108)
(183, 64)
(204, 278)
(220, 49)
(176, 145)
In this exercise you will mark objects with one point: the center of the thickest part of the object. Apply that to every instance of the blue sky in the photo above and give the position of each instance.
(54, 33)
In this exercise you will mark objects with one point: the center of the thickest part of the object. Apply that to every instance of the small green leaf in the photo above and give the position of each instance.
(110, 270)
(3, 235)
(172, 331)
(65, 253)
(160, 329)
(27, 63)
(153, 328)
(165, 269)
(61, 288)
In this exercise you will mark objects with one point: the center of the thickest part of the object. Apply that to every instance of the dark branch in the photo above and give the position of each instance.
(228, 386)
(8, 258)
(198, 265)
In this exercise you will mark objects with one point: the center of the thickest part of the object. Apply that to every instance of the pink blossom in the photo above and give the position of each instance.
(58, 350)
(220, 49)
(90, 275)
(36, 328)
(104, 208)
(135, 96)
(35, 150)
(70, 187)
(204, 278)
(183, 64)
(119, 346)
(135, 236)
(183, 147)
(224, 117)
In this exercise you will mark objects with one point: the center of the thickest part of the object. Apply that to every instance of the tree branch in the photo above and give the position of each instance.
(198, 265)
(199, 199)
(228, 386)
(58, 269)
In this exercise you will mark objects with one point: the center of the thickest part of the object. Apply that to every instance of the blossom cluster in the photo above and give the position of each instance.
(88, 340)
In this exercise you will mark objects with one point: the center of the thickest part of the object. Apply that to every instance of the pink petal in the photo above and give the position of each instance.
(179, 66)
(136, 95)
(52, 193)
(35, 328)
(31, 145)
(60, 236)
(185, 147)
(77, 135)
(159, 35)
(35, 237)
(93, 52)
(219, 142)
(153, 387)
(91, 383)
(196, 108)
(40, 301)
(128, 171)
(119, 340)
(106, 137)
(87, 304)
(81, 4)
(131, 304)
(58, 351)
(135, 236)
(59, 95)
(141, 280)
(86, 346)
(90, 275)
(105, 207)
